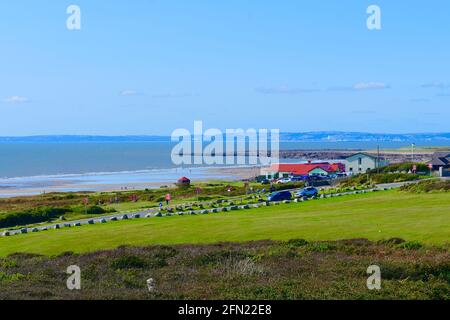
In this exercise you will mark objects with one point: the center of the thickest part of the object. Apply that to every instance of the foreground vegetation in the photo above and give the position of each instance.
(294, 269)
(377, 215)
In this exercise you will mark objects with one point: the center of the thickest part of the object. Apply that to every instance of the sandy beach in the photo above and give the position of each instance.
(138, 180)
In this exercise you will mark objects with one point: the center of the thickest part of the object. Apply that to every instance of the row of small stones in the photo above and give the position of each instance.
(193, 212)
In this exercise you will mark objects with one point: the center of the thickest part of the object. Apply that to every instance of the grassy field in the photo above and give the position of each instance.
(379, 215)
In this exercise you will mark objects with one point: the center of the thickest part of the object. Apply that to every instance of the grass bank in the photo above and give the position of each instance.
(378, 215)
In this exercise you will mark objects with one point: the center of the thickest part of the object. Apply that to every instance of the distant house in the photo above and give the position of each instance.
(441, 160)
(283, 170)
(183, 181)
(362, 163)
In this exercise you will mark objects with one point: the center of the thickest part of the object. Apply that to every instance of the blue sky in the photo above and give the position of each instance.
(149, 67)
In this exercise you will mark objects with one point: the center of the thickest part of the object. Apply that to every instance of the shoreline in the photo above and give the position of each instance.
(156, 178)
(119, 181)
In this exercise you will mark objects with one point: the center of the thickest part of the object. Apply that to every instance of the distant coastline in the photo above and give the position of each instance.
(320, 136)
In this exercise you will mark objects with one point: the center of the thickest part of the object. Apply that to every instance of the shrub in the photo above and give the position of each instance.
(36, 215)
(427, 186)
(402, 167)
(297, 242)
(411, 245)
(128, 262)
(321, 247)
(367, 179)
(10, 277)
(392, 241)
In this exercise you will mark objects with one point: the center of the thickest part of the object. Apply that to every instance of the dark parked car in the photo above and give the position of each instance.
(280, 196)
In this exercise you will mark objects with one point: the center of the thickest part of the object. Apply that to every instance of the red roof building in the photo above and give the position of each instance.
(184, 180)
(303, 169)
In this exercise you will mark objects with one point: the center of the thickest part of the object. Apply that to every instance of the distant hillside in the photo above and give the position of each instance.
(42, 139)
(362, 136)
(285, 136)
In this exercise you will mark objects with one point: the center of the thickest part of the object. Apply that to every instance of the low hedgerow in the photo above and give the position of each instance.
(402, 167)
(41, 214)
(371, 179)
(427, 186)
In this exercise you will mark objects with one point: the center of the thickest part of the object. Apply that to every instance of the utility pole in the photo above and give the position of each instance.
(412, 152)
(378, 159)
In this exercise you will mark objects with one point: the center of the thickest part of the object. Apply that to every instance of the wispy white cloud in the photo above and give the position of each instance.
(16, 100)
(283, 90)
(169, 95)
(420, 100)
(129, 93)
(436, 85)
(360, 86)
(363, 111)
(370, 85)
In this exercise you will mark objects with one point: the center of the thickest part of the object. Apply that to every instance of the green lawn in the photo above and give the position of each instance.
(379, 215)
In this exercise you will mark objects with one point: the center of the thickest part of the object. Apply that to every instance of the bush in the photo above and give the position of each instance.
(427, 186)
(36, 215)
(392, 241)
(366, 179)
(321, 247)
(411, 245)
(92, 210)
(402, 167)
(128, 262)
(297, 242)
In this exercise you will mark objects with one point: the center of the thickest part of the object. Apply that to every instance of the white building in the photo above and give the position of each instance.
(362, 163)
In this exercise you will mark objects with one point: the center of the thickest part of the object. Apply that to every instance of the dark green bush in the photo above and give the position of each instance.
(411, 245)
(36, 215)
(92, 210)
(367, 179)
(128, 262)
(297, 242)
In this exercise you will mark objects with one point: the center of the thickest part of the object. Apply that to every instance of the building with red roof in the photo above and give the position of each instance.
(183, 181)
(280, 170)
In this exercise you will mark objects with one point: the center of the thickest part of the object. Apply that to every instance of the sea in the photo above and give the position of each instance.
(30, 168)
